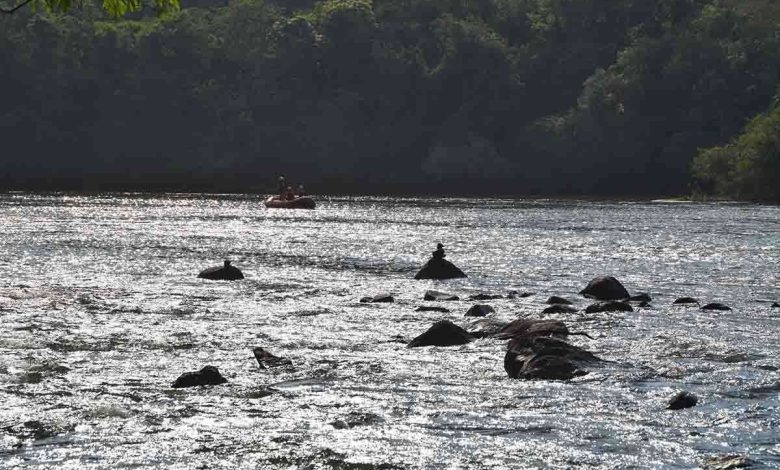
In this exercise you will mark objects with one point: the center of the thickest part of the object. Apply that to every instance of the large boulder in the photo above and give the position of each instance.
(545, 358)
(442, 333)
(605, 288)
(437, 268)
(480, 311)
(209, 375)
(226, 272)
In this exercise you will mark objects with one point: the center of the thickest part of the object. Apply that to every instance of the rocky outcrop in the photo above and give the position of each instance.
(559, 309)
(480, 311)
(608, 307)
(209, 375)
(226, 272)
(485, 328)
(442, 333)
(716, 306)
(682, 400)
(555, 300)
(527, 327)
(439, 296)
(437, 268)
(605, 288)
(545, 358)
(378, 299)
(267, 360)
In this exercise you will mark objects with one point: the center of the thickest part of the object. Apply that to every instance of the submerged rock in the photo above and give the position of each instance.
(442, 333)
(426, 308)
(555, 300)
(378, 299)
(480, 311)
(265, 359)
(209, 375)
(685, 301)
(727, 462)
(485, 328)
(514, 294)
(682, 400)
(558, 308)
(483, 296)
(775, 305)
(225, 272)
(438, 268)
(605, 288)
(439, 296)
(716, 306)
(608, 307)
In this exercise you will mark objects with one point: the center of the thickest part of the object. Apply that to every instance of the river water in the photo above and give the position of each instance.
(101, 311)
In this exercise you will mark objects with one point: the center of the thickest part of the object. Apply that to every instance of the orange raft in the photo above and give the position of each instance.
(304, 202)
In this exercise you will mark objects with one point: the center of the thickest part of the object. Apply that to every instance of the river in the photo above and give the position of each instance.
(102, 310)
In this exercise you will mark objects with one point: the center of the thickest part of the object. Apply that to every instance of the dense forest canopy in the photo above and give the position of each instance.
(566, 97)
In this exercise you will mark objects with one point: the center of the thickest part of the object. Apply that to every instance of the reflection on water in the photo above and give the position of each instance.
(102, 310)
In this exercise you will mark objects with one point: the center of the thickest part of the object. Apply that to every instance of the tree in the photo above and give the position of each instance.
(112, 7)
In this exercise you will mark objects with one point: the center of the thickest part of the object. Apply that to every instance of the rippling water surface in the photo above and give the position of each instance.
(101, 310)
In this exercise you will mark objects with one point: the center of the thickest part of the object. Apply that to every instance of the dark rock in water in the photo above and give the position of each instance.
(378, 299)
(209, 375)
(513, 294)
(426, 308)
(483, 296)
(439, 296)
(265, 359)
(527, 327)
(716, 306)
(442, 333)
(608, 307)
(546, 358)
(354, 419)
(641, 297)
(644, 304)
(559, 309)
(437, 268)
(225, 272)
(605, 288)
(685, 301)
(555, 300)
(480, 311)
(775, 305)
(728, 462)
(485, 328)
(682, 400)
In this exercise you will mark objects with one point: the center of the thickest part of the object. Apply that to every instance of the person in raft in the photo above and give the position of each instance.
(301, 192)
(439, 253)
(281, 187)
(289, 195)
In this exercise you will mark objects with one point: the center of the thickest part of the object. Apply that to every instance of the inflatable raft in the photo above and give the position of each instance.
(304, 202)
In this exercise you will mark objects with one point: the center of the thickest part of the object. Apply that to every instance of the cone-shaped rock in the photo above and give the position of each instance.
(225, 272)
(605, 288)
(209, 375)
(442, 333)
(437, 268)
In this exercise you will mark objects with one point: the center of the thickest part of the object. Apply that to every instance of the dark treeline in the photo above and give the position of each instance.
(566, 97)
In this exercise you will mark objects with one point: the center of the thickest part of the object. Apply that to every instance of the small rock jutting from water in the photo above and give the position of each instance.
(716, 306)
(776, 305)
(605, 288)
(483, 296)
(378, 299)
(513, 294)
(641, 297)
(266, 360)
(480, 311)
(555, 300)
(439, 296)
(442, 333)
(225, 272)
(727, 462)
(685, 301)
(209, 375)
(608, 307)
(426, 308)
(439, 268)
(557, 308)
(682, 400)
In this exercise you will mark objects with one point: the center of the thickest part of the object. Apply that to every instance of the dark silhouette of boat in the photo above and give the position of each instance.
(304, 202)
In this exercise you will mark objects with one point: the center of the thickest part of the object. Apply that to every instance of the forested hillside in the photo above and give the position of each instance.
(559, 97)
